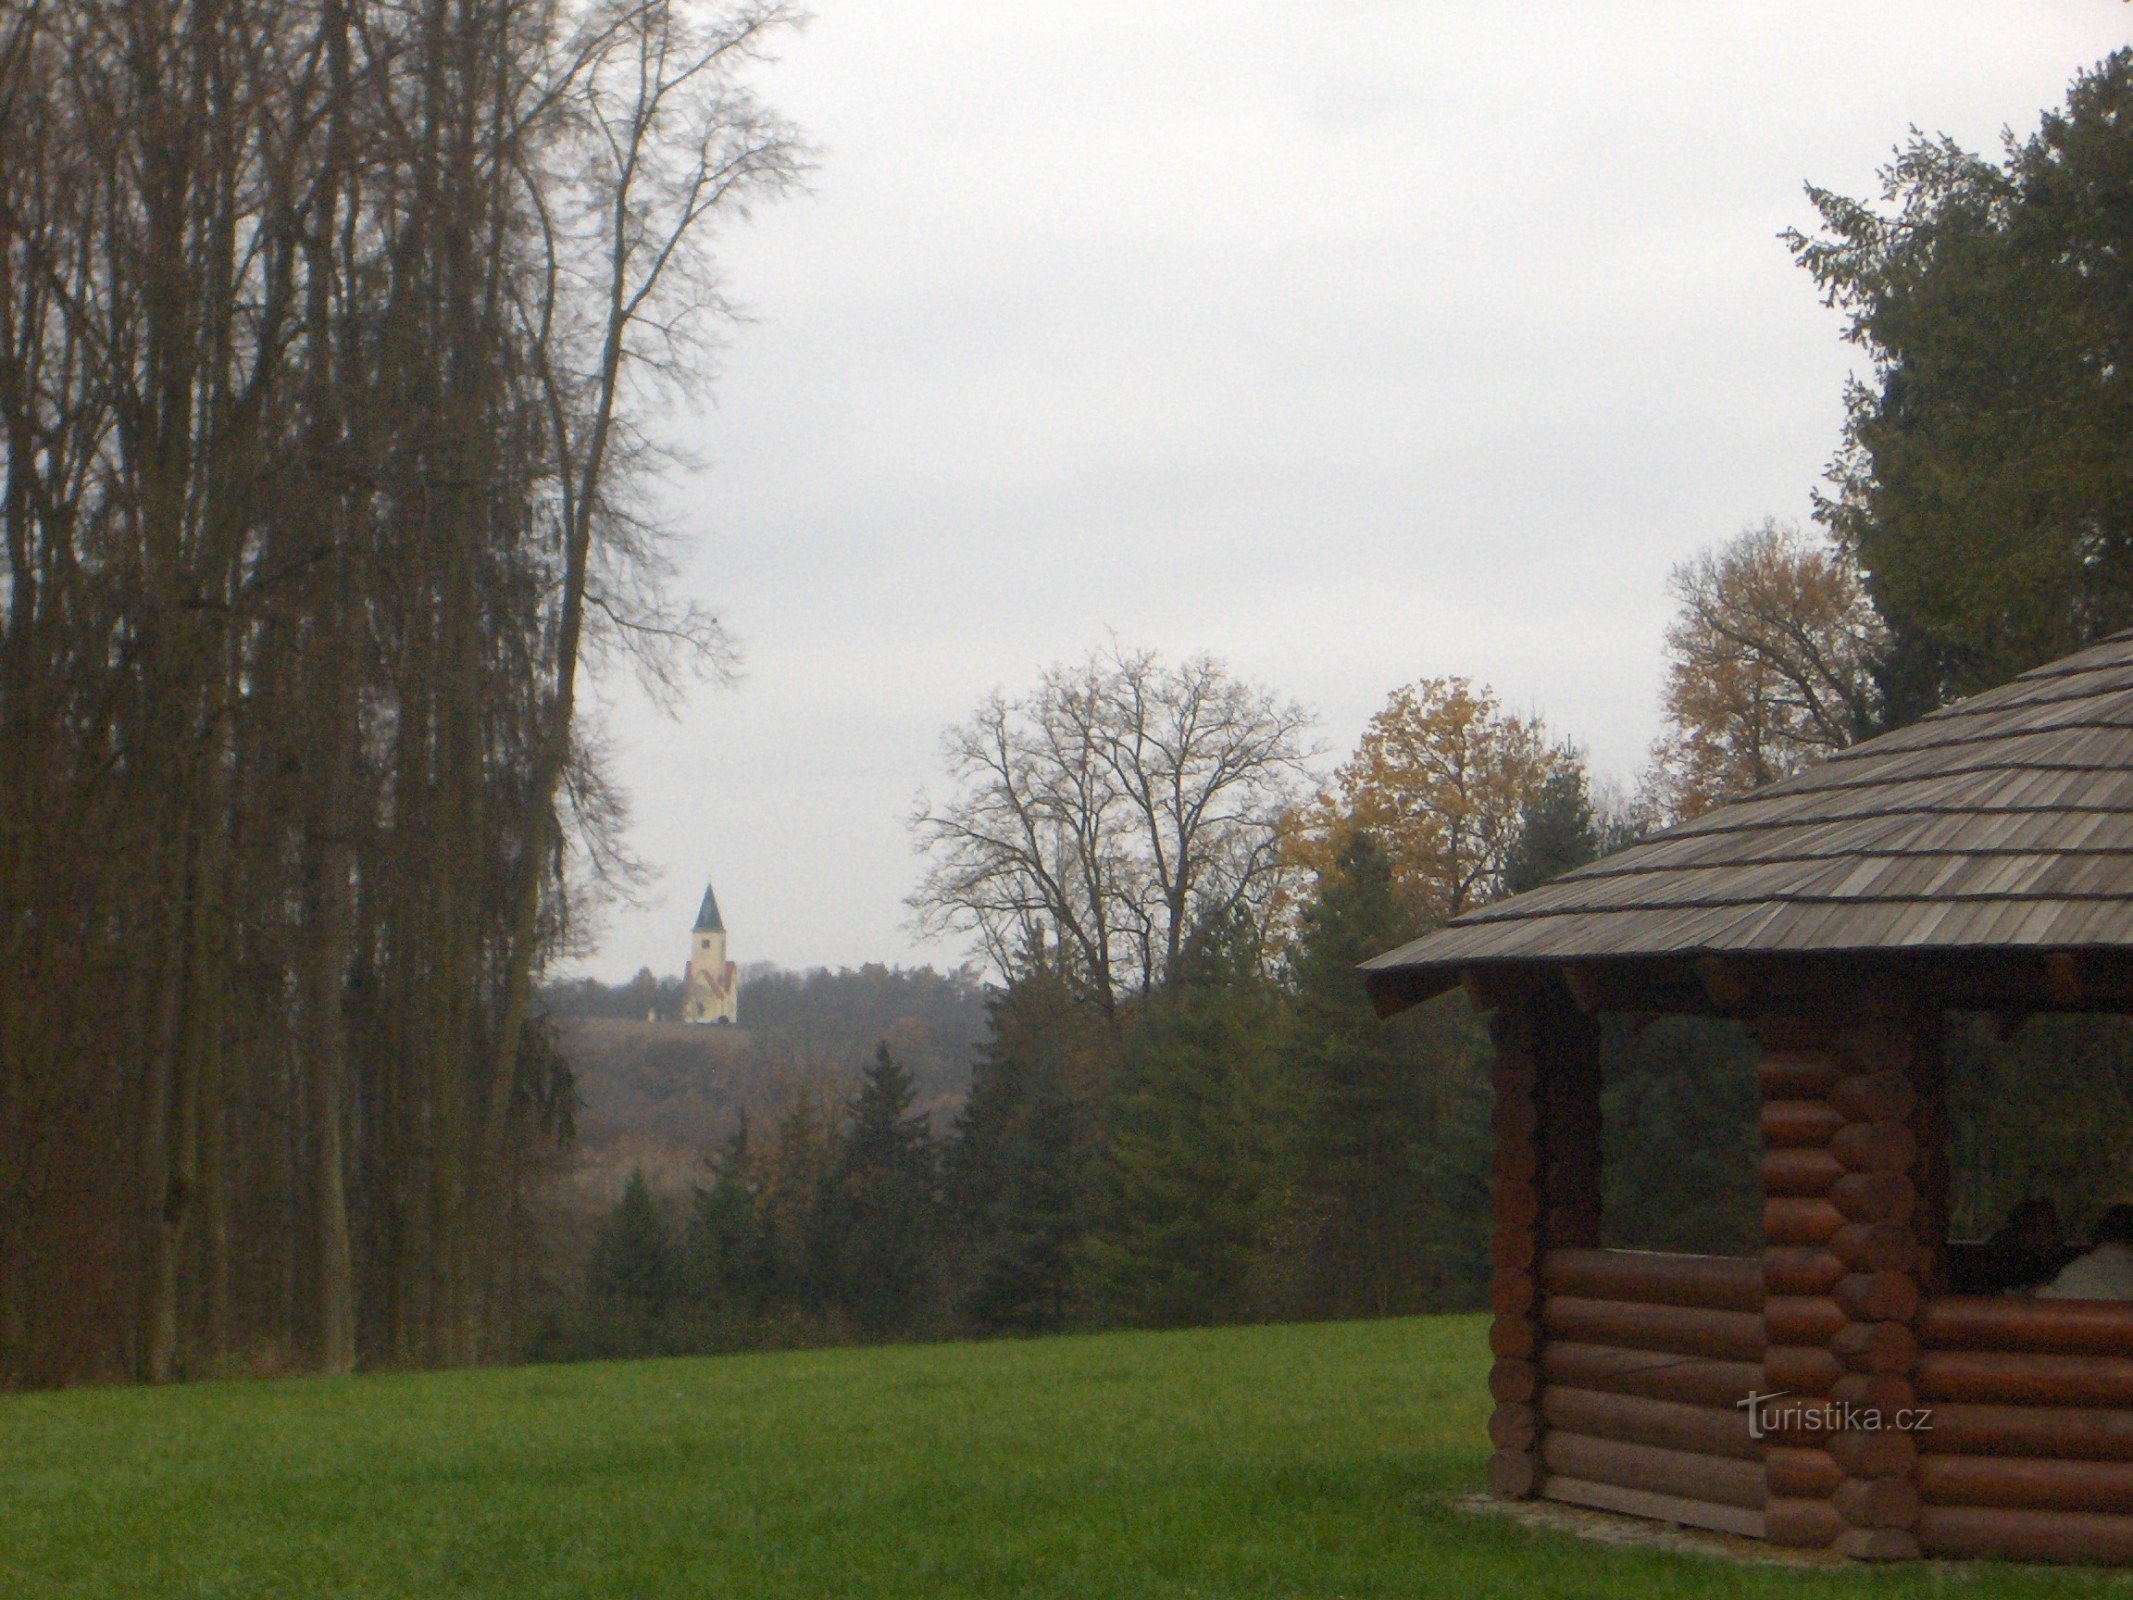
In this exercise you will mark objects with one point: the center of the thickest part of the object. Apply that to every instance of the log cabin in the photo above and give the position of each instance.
(1978, 860)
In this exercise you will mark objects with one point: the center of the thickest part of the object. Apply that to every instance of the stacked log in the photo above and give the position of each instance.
(1514, 1291)
(2028, 1453)
(1546, 1078)
(1644, 1360)
(1841, 1218)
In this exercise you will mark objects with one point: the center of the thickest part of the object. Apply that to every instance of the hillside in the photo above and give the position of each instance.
(664, 1095)
(656, 1095)
(1302, 1461)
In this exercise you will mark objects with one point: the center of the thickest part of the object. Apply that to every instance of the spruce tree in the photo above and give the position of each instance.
(632, 1264)
(1557, 830)
(1017, 1166)
(881, 1205)
(1982, 480)
(1023, 1271)
(791, 1202)
(1365, 1191)
(728, 1264)
(1192, 1167)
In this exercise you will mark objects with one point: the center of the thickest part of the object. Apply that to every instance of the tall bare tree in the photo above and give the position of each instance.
(1770, 666)
(1107, 812)
(327, 328)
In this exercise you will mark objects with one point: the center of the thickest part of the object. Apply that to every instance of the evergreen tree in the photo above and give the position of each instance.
(1557, 831)
(2044, 1110)
(1458, 1157)
(881, 1206)
(1024, 1270)
(632, 1265)
(728, 1262)
(1017, 1165)
(1193, 1169)
(1983, 483)
(1365, 1196)
(791, 1206)
(1679, 1148)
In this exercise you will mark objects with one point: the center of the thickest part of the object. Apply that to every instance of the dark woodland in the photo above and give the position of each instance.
(325, 335)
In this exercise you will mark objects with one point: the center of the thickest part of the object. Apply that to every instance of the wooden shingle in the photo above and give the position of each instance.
(2003, 822)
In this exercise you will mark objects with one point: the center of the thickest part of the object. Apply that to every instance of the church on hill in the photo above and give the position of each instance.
(709, 990)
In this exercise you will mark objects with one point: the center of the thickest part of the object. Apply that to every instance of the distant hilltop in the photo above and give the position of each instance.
(663, 1094)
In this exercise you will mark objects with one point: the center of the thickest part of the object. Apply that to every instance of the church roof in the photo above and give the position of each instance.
(707, 917)
(2001, 822)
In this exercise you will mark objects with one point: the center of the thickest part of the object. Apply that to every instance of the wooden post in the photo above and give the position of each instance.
(1547, 1194)
(1514, 1251)
(1568, 1097)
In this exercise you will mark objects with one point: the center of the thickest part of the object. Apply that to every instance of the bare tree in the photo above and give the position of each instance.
(1107, 812)
(1770, 666)
(326, 327)
(668, 141)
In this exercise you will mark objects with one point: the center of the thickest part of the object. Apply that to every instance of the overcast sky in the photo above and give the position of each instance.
(1353, 341)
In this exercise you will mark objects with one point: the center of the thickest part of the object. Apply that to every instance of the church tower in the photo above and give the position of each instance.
(708, 990)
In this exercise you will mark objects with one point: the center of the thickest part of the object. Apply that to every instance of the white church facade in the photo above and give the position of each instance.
(709, 990)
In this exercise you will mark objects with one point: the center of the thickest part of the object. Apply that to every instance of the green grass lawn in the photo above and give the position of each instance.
(1289, 1461)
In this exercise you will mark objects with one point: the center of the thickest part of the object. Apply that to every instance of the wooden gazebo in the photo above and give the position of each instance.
(1980, 860)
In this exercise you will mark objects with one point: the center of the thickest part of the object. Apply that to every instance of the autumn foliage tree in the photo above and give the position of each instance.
(1442, 779)
(1771, 661)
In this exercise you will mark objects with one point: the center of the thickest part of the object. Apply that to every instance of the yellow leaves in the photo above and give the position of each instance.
(1441, 777)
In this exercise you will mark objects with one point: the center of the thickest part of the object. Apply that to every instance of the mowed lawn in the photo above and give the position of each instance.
(1286, 1461)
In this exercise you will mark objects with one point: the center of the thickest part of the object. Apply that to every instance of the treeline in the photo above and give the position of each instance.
(324, 329)
(660, 1098)
(1227, 1133)
(820, 1023)
(1243, 1144)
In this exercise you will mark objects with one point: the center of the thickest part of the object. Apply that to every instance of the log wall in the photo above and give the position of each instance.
(1617, 1373)
(2028, 1452)
(1851, 1197)
(1547, 1178)
(1912, 1422)
(1643, 1360)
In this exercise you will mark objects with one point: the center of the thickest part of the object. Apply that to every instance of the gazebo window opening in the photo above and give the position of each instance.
(1679, 1145)
(2040, 1107)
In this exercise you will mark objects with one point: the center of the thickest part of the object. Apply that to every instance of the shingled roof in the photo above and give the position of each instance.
(2002, 822)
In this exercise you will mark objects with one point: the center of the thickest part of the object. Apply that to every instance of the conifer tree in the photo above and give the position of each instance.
(632, 1264)
(1982, 482)
(1193, 1167)
(1678, 1130)
(791, 1206)
(1364, 1189)
(1017, 1167)
(1557, 831)
(1024, 1268)
(729, 1267)
(881, 1206)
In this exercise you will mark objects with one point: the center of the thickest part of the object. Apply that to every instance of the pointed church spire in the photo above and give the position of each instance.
(707, 917)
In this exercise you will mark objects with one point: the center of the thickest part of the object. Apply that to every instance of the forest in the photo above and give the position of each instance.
(329, 333)
(332, 339)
